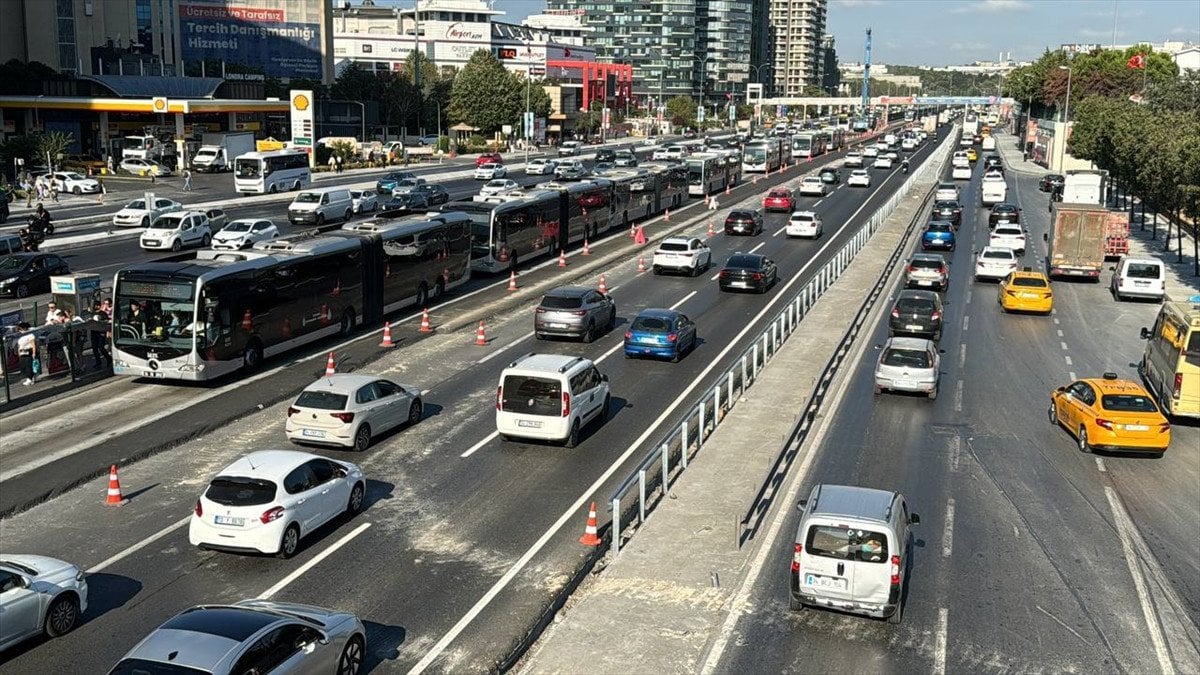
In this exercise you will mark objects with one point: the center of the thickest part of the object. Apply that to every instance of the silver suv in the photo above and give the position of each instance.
(574, 311)
(927, 270)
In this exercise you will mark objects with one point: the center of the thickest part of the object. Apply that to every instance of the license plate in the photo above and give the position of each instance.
(313, 433)
(557, 325)
(1136, 427)
(151, 373)
(1141, 283)
(924, 282)
(229, 520)
(906, 383)
(1029, 296)
(825, 582)
(530, 424)
(913, 326)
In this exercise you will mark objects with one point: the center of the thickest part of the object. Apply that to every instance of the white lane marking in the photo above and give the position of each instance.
(506, 347)
(572, 511)
(818, 202)
(1063, 345)
(1060, 333)
(760, 245)
(969, 296)
(962, 355)
(610, 352)
(966, 322)
(487, 439)
(780, 230)
(1068, 359)
(299, 571)
(958, 391)
(140, 545)
(1100, 465)
(948, 530)
(1131, 540)
(687, 297)
(939, 645)
(1071, 375)
(1056, 321)
(715, 277)
(955, 452)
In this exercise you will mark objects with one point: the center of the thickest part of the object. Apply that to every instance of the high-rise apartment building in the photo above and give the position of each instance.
(789, 37)
(674, 46)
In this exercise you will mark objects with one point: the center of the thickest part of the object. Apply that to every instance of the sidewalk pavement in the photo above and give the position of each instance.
(1008, 146)
(655, 607)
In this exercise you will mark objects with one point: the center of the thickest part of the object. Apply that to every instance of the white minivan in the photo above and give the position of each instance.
(175, 231)
(550, 397)
(320, 206)
(1138, 278)
(852, 551)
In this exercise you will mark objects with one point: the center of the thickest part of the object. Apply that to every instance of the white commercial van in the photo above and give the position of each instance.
(992, 192)
(321, 206)
(1138, 278)
(550, 397)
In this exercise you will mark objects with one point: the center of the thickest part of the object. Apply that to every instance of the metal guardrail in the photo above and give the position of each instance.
(650, 482)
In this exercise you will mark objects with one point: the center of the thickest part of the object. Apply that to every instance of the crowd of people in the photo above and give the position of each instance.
(80, 330)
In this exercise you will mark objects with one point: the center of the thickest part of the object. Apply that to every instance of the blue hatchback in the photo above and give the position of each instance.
(660, 332)
(938, 234)
(387, 183)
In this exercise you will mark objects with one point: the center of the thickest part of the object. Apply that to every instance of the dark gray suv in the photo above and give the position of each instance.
(574, 311)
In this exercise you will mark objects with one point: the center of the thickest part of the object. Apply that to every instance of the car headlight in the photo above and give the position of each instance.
(7, 281)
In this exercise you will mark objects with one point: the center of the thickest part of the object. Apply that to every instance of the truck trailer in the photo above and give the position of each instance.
(1082, 236)
(218, 150)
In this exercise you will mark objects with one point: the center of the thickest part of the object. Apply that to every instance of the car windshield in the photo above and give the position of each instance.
(144, 667)
(845, 543)
(780, 194)
(947, 206)
(745, 262)
(1008, 232)
(1127, 403)
(12, 262)
(168, 222)
(1029, 282)
(915, 305)
(998, 255)
(906, 358)
(72, 176)
(810, 180)
(673, 246)
(156, 313)
(531, 395)
(308, 198)
(237, 226)
(562, 302)
(741, 215)
(939, 227)
(1143, 271)
(926, 263)
(139, 204)
(651, 324)
(240, 491)
(802, 217)
(321, 400)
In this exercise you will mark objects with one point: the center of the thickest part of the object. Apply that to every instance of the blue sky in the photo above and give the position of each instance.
(944, 32)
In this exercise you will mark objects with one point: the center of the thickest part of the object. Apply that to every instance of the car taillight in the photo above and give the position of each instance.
(539, 310)
(292, 410)
(271, 515)
(943, 270)
(755, 276)
(672, 337)
(724, 273)
(1164, 427)
(910, 269)
(796, 552)
(344, 416)
(628, 335)
(499, 397)
(895, 312)
(1178, 385)
(579, 313)
(936, 316)
(566, 404)
(895, 570)
(198, 510)
(1106, 424)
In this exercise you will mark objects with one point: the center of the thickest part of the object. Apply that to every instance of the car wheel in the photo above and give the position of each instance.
(1084, 446)
(145, 221)
(589, 334)
(273, 189)
(676, 354)
(897, 616)
(355, 503)
(878, 390)
(351, 659)
(933, 394)
(253, 356)
(795, 604)
(320, 220)
(62, 616)
(176, 246)
(573, 437)
(362, 438)
(422, 296)
(289, 542)
(76, 191)
(657, 271)
(22, 290)
(414, 412)
(612, 320)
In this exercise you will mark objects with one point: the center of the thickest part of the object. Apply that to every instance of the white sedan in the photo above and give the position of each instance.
(804, 224)
(682, 254)
(882, 162)
(540, 167)
(364, 201)
(961, 173)
(812, 185)
(499, 187)
(243, 234)
(870, 151)
(995, 263)
(75, 183)
(135, 213)
(39, 595)
(490, 171)
(347, 410)
(859, 177)
(144, 167)
(1008, 236)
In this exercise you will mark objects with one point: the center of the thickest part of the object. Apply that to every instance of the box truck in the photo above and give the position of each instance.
(218, 150)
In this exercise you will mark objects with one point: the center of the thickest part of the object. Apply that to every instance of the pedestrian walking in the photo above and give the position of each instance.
(187, 180)
(28, 188)
(110, 164)
(26, 351)
(53, 191)
(712, 204)
(340, 163)
(333, 163)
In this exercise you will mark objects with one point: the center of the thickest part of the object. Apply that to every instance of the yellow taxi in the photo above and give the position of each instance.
(1110, 414)
(972, 156)
(1025, 291)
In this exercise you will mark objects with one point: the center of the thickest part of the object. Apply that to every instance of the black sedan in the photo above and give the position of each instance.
(23, 274)
(606, 155)
(829, 175)
(948, 210)
(744, 221)
(1004, 213)
(403, 203)
(916, 313)
(993, 162)
(748, 271)
(1051, 182)
(434, 194)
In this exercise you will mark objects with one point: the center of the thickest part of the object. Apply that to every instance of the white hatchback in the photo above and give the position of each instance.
(347, 410)
(961, 173)
(1008, 236)
(859, 177)
(550, 397)
(812, 185)
(244, 233)
(174, 231)
(1138, 278)
(995, 263)
(490, 171)
(364, 201)
(267, 501)
(882, 162)
(682, 254)
(804, 224)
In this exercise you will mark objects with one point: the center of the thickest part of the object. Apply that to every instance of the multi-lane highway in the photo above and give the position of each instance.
(1031, 556)
(465, 541)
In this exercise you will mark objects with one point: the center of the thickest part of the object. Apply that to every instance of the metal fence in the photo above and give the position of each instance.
(651, 480)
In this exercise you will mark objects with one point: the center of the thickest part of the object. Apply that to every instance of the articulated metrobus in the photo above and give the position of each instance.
(206, 317)
(836, 138)
(271, 172)
(808, 144)
(707, 173)
(762, 156)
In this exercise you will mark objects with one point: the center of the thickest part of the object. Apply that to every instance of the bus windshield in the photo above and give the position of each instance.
(248, 168)
(755, 155)
(695, 175)
(155, 313)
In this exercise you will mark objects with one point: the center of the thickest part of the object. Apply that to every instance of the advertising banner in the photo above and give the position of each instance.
(278, 38)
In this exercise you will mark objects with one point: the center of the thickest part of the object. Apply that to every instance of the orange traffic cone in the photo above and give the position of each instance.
(706, 200)
(641, 236)
(562, 258)
(667, 217)
(480, 336)
(632, 230)
(711, 231)
(603, 284)
(114, 497)
(589, 537)
(512, 281)
(727, 189)
(330, 366)
(587, 250)
(425, 327)
(387, 336)
(641, 264)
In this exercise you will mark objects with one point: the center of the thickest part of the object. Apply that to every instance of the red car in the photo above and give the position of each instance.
(492, 157)
(779, 200)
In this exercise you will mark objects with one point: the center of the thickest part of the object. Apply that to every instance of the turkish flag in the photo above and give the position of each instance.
(1137, 61)
(728, 96)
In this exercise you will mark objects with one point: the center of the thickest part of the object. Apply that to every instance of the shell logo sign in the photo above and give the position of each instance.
(300, 102)
(159, 104)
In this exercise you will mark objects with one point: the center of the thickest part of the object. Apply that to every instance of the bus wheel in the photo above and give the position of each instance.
(347, 326)
(422, 295)
(253, 356)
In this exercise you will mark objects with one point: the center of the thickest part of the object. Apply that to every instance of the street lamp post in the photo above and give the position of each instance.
(1062, 151)
(703, 79)
(757, 71)
(528, 85)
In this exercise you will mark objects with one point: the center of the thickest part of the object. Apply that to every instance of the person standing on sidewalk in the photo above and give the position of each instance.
(187, 180)
(100, 353)
(26, 350)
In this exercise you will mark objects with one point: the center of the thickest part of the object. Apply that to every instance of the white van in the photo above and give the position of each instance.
(992, 192)
(550, 397)
(1138, 278)
(851, 551)
(321, 206)
(177, 230)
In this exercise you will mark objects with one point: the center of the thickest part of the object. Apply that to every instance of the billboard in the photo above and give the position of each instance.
(284, 39)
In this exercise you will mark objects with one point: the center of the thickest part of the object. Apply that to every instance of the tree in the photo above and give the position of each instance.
(54, 144)
(589, 121)
(483, 95)
(681, 111)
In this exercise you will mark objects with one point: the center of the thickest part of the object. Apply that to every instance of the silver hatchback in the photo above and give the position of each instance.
(574, 311)
(927, 270)
(908, 364)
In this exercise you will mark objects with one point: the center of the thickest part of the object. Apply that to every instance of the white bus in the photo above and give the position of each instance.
(271, 172)
(707, 173)
(761, 156)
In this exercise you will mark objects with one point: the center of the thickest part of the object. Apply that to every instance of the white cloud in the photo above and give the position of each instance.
(992, 6)
(1184, 30)
(1098, 33)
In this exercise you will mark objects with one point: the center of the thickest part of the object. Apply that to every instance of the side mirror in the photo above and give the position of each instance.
(914, 518)
(1145, 333)
(1112, 268)
(1046, 236)
(941, 351)
(878, 347)
(1061, 389)
(604, 378)
(801, 505)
